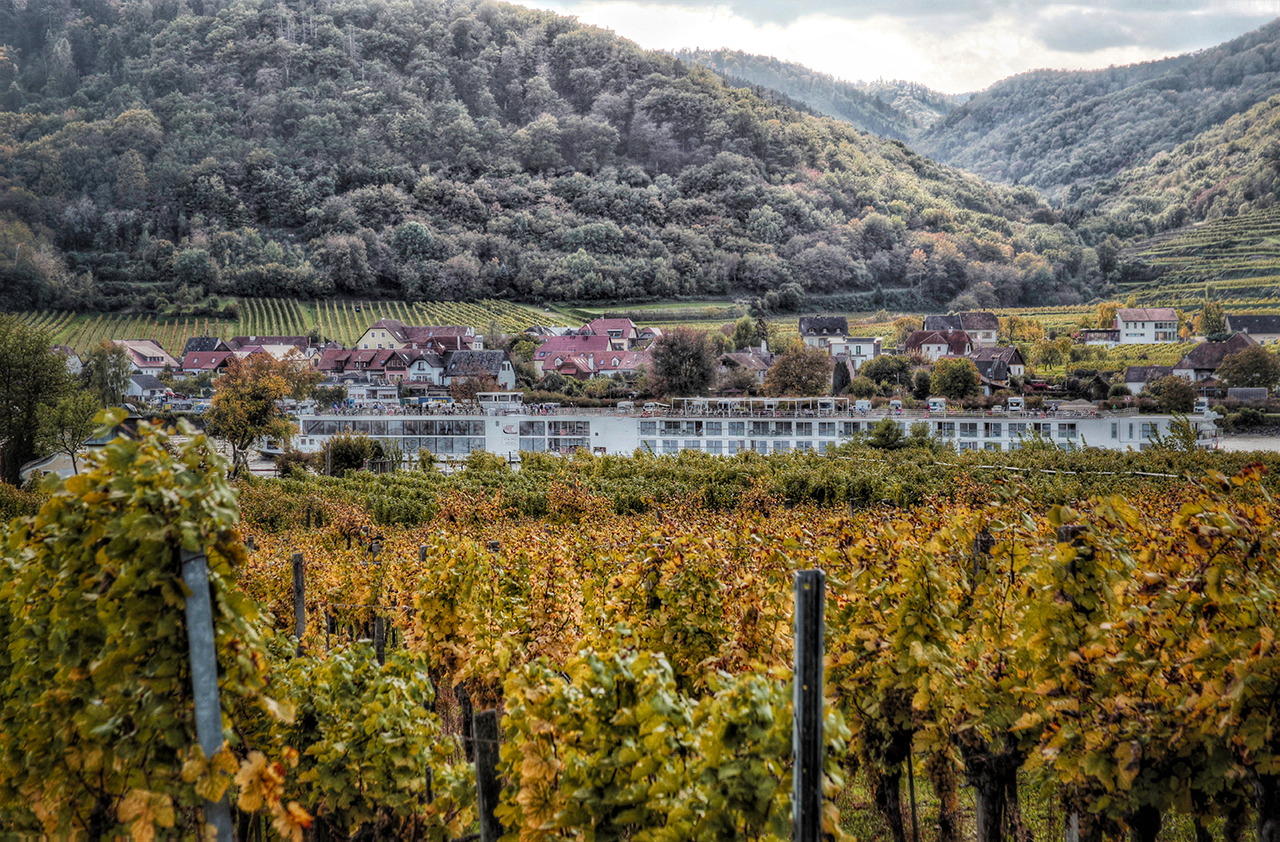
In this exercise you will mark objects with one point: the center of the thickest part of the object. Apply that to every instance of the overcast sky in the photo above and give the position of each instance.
(953, 46)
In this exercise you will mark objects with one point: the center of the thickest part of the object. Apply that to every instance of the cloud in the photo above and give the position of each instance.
(948, 45)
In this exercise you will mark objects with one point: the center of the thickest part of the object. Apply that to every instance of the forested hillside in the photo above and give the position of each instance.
(888, 108)
(1228, 170)
(155, 154)
(1059, 130)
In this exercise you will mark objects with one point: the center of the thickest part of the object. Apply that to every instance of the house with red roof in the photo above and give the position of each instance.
(933, 344)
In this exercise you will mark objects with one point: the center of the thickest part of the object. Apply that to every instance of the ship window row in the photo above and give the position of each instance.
(393, 427)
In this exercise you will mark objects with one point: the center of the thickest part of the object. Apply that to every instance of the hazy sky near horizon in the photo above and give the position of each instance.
(953, 46)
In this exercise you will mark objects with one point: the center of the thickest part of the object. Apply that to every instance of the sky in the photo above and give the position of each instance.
(953, 46)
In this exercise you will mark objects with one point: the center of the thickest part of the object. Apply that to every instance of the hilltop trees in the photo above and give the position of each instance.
(577, 166)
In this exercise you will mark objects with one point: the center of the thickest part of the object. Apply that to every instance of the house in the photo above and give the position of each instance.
(204, 344)
(74, 364)
(461, 364)
(146, 387)
(623, 333)
(749, 359)
(1100, 338)
(1263, 329)
(983, 327)
(393, 333)
(859, 349)
(198, 362)
(553, 352)
(1202, 361)
(1146, 325)
(932, 344)
(820, 331)
(997, 365)
(1136, 377)
(147, 357)
(650, 334)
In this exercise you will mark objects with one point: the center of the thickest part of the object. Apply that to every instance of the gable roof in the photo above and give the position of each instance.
(1209, 355)
(240, 343)
(1146, 373)
(749, 359)
(1246, 323)
(146, 354)
(205, 344)
(823, 325)
(1147, 314)
(968, 321)
(463, 363)
(148, 382)
(625, 327)
(205, 360)
(568, 346)
(1008, 354)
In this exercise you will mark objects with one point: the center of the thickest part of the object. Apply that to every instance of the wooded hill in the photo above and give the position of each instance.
(894, 109)
(155, 154)
(1061, 130)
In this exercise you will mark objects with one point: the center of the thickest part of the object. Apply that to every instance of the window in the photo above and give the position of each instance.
(760, 446)
(782, 428)
(967, 445)
(735, 445)
(1150, 429)
(539, 428)
(945, 429)
(827, 428)
(1115, 429)
(691, 445)
(713, 447)
(804, 428)
(823, 445)
(1066, 431)
(715, 428)
(781, 446)
(991, 445)
(968, 429)
(992, 430)
(647, 428)
(759, 428)
(670, 446)
(649, 445)
(737, 428)
(804, 446)
(848, 428)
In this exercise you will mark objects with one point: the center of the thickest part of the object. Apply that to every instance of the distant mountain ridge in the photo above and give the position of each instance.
(1061, 131)
(894, 109)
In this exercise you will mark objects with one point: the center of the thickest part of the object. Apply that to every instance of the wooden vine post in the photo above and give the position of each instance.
(204, 676)
(806, 797)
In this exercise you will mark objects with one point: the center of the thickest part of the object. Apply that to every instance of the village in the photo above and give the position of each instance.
(961, 375)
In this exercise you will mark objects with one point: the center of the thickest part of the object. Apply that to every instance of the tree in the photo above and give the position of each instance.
(329, 395)
(956, 379)
(1255, 366)
(245, 406)
(1046, 353)
(683, 363)
(30, 377)
(106, 371)
(1107, 314)
(465, 388)
(803, 371)
(904, 327)
(744, 333)
(1172, 394)
(65, 426)
(886, 435)
(921, 385)
(1212, 319)
(887, 368)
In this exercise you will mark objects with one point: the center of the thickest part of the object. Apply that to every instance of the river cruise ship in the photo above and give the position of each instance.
(502, 424)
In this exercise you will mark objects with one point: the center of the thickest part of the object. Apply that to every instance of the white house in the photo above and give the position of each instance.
(1147, 325)
(859, 349)
(821, 331)
(932, 344)
(982, 327)
(146, 387)
(148, 357)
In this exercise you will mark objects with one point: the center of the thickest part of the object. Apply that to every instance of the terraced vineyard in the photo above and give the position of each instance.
(340, 320)
(1239, 256)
